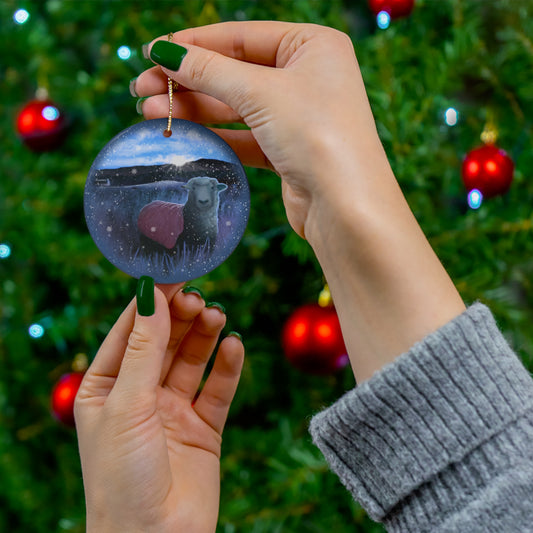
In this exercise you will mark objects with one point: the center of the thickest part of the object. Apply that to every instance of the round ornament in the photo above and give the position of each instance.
(63, 396)
(488, 169)
(41, 125)
(172, 207)
(312, 340)
(395, 8)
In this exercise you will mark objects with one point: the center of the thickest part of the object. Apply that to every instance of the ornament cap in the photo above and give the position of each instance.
(80, 362)
(324, 298)
(41, 93)
(489, 135)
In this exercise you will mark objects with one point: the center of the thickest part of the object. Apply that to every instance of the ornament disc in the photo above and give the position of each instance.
(173, 208)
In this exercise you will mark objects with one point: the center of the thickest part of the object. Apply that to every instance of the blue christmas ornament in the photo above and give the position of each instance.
(170, 207)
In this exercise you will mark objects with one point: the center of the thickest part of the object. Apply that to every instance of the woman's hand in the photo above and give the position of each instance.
(299, 89)
(150, 451)
(304, 115)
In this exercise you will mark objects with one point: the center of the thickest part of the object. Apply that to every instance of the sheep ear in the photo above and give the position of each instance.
(185, 186)
(222, 187)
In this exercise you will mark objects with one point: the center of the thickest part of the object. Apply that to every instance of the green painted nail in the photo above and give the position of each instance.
(167, 54)
(133, 92)
(220, 307)
(193, 290)
(235, 334)
(145, 296)
(139, 104)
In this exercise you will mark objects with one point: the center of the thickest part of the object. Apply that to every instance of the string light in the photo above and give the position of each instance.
(475, 199)
(383, 20)
(124, 52)
(21, 16)
(50, 112)
(36, 331)
(451, 116)
(5, 251)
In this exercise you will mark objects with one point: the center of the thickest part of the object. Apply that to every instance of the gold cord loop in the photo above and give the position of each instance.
(172, 86)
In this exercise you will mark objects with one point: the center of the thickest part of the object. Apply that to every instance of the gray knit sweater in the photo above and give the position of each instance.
(440, 440)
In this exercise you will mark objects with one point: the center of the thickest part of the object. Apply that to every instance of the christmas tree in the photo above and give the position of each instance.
(436, 78)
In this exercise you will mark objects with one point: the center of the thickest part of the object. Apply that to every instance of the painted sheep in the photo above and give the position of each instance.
(200, 212)
(191, 225)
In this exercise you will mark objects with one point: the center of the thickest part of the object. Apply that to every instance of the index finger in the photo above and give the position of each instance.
(255, 42)
(252, 41)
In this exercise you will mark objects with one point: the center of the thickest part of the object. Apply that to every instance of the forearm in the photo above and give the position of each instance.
(388, 286)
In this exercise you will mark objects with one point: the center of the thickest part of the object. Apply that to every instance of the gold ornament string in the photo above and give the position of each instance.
(172, 86)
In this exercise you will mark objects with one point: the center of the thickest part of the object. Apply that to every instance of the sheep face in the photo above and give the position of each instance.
(200, 213)
(203, 192)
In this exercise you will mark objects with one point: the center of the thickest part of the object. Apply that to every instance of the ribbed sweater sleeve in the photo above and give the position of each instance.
(440, 440)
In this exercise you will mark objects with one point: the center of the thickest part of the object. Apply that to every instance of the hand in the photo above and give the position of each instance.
(149, 452)
(299, 89)
(303, 114)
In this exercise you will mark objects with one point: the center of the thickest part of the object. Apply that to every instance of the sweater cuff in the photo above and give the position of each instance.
(424, 413)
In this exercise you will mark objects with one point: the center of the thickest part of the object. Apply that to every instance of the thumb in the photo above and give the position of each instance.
(140, 370)
(228, 80)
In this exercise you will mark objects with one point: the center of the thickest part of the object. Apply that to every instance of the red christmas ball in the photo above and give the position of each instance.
(41, 125)
(395, 8)
(312, 340)
(488, 169)
(63, 396)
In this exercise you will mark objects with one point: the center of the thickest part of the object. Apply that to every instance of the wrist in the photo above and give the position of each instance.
(389, 288)
(352, 193)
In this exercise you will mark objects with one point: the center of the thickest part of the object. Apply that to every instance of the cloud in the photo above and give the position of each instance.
(144, 144)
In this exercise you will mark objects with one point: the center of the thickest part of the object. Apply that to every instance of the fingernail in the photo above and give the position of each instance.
(167, 54)
(220, 307)
(139, 104)
(235, 334)
(145, 296)
(146, 50)
(133, 92)
(192, 290)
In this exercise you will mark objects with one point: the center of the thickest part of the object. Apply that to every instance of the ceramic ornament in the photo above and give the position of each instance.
(170, 207)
